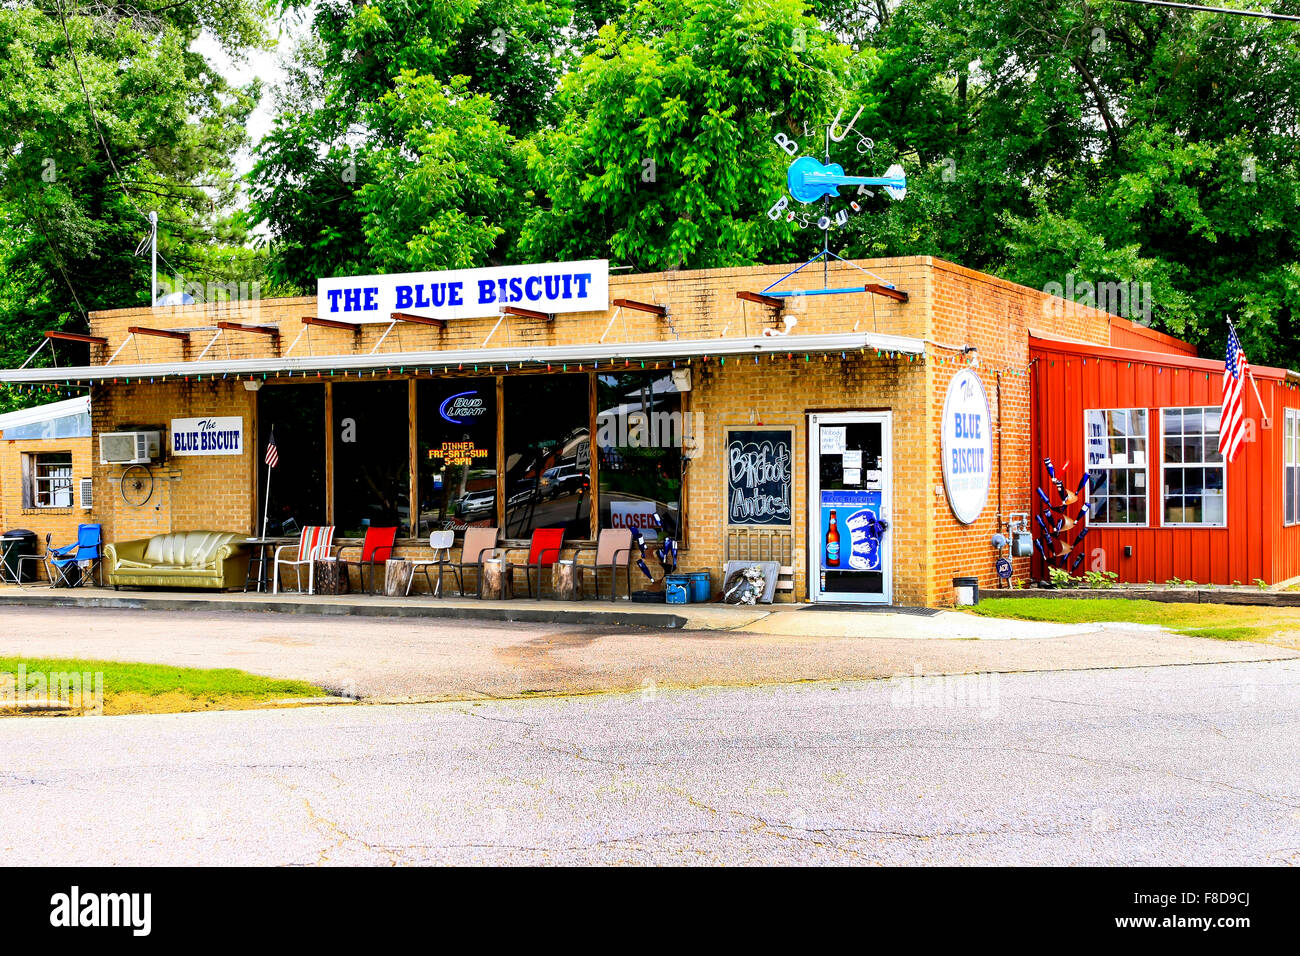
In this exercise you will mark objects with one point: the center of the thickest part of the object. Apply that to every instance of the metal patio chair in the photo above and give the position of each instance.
(440, 543)
(316, 543)
(544, 550)
(612, 543)
(376, 549)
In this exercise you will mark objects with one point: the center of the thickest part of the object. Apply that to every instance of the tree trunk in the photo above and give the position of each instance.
(330, 577)
(397, 576)
(566, 581)
(497, 580)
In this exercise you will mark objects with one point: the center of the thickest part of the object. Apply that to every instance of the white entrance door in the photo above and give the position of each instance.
(850, 487)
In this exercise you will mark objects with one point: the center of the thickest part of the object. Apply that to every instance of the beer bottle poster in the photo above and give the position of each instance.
(856, 548)
(760, 470)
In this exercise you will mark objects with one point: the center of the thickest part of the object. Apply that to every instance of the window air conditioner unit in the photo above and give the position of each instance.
(129, 448)
(86, 492)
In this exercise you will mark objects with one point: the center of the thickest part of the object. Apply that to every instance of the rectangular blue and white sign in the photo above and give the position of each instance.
(553, 287)
(208, 436)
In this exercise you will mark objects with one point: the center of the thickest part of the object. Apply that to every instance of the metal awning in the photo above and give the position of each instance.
(464, 359)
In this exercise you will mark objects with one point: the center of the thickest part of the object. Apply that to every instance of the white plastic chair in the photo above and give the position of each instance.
(441, 543)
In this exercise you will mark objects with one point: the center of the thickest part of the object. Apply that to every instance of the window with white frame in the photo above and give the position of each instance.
(1192, 468)
(49, 480)
(1115, 449)
(1291, 466)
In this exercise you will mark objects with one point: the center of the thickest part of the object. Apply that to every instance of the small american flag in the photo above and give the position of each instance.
(1232, 422)
(272, 453)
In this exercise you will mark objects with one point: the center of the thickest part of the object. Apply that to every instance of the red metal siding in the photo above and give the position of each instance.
(1129, 335)
(1069, 378)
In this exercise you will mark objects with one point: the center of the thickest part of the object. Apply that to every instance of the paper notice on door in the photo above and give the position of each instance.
(832, 439)
(852, 459)
(853, 476)
(874, 479)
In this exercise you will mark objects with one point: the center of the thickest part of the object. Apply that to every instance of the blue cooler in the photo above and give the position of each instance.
(701, 587)
(677, 589)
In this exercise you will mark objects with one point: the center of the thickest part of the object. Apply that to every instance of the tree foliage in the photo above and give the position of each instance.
(1098, 139)
(106, 113)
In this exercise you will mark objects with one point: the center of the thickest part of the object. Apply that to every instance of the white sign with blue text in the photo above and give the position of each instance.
(208, 436)
(966, 436)
(552, 287)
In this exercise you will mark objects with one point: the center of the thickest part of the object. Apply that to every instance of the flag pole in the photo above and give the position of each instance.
(266, 507)
(1251, 373)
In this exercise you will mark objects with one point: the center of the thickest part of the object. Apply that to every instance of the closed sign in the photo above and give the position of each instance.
(208, 436)
(967, 446)
(634, 514)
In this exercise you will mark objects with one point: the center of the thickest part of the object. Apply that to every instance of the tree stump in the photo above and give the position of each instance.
(330, 576)
(566, 581)
(498, 579)
(397, 575)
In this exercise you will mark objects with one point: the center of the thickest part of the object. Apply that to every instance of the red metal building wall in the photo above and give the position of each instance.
(1129, 335)
(1067, 378)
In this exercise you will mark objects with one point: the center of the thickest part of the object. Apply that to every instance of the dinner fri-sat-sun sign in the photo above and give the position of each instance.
(553, 287)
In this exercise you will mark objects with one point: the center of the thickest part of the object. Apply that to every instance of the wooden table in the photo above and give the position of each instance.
(263, 557)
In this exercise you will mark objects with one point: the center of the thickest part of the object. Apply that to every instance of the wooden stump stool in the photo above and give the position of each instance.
(498, 579)
(330, 576)
(397, 575)
(566, 581)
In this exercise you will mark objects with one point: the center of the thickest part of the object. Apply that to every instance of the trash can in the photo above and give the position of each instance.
(701, 587)
(677, 589)
(16, 544)
(966, 591)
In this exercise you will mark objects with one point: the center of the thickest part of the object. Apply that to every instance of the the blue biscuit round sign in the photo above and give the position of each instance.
(967, 443)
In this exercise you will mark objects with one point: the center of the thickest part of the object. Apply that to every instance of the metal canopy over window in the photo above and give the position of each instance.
(464, 360)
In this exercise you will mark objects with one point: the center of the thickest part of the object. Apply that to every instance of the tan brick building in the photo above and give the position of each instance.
(44, 454)
(862, 376)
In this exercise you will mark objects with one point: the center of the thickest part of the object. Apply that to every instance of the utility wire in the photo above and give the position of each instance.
(121, 182)
(1261, 14)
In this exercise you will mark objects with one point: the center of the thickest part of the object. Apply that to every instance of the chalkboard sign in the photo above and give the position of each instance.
(760, 472)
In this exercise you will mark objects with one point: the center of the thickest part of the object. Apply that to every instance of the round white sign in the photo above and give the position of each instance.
(966, 437)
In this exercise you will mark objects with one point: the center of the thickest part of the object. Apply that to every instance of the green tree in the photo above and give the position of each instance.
(105, 113)
(387, 104)
(664, 155)
(1110, 141)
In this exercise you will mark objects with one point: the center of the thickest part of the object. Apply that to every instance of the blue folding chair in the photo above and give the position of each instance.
(87, 550)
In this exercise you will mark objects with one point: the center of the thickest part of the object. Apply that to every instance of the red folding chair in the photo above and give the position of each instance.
(376, 549)
(543, 551)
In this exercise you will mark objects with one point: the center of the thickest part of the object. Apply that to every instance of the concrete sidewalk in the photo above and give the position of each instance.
(791, 620)
(442, 659)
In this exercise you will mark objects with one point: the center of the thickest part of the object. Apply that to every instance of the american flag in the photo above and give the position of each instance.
(272, 453)
(1232, 421)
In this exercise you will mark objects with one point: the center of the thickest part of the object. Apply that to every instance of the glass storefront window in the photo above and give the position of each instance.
(297, 414)
(548, 454)
(1116, 447)
(639, 434)
(1192, 467)
(457, 433)
(372, 478)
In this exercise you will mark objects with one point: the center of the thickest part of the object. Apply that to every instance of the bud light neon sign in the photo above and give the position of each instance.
(462, 408)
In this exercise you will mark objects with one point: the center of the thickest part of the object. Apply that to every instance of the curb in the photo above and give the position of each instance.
(1173, 596)
(505, 613)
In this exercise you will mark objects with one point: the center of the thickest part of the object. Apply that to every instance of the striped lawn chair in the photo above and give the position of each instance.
(314, 545)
